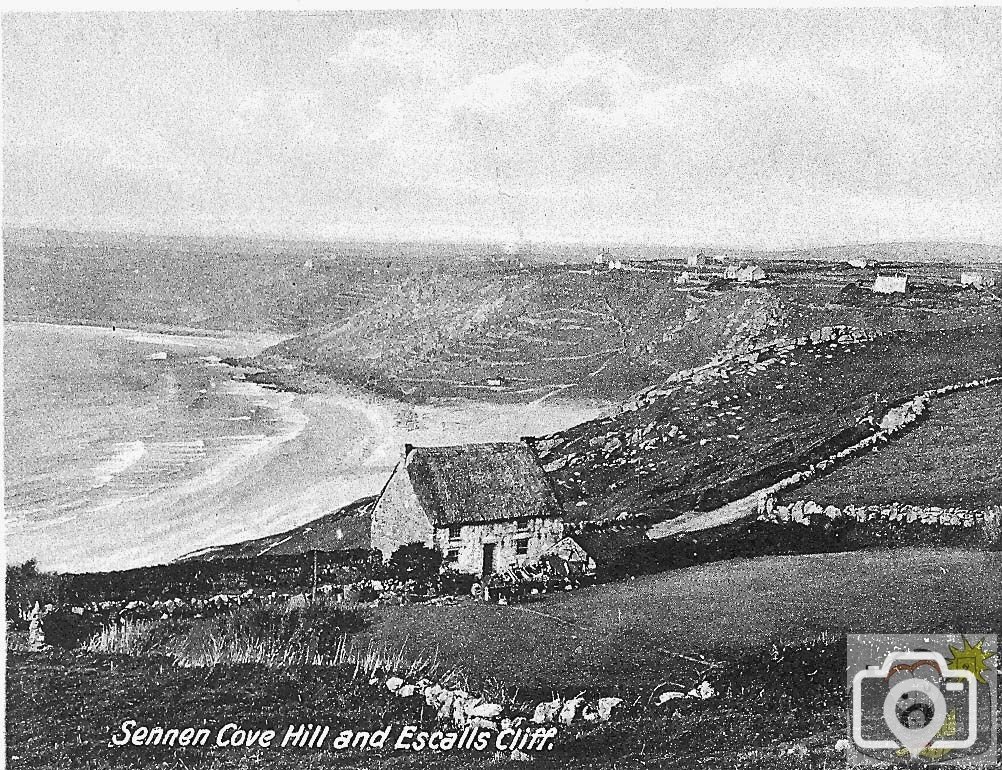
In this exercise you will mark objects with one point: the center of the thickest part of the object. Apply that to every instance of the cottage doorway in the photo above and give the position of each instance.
(488, 567)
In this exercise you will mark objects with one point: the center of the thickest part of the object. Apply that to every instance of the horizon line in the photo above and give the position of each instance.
(508, 244)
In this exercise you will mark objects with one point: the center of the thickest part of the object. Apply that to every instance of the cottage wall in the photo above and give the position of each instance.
(398, 518)
(469, 547)
(890, 284)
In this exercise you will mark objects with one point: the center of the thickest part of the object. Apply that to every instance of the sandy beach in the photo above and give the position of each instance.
(132, 447)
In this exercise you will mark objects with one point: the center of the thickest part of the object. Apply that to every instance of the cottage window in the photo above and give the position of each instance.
(455, 531)
(522, 546)
(452, 555)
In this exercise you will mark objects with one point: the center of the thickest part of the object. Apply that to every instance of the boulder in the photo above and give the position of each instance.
(605, 707)
(546, 712)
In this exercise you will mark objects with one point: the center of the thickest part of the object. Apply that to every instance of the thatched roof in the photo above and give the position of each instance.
(477, 483)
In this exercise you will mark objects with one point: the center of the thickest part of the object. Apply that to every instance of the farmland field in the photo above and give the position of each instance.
(622, 636)
(950, 459)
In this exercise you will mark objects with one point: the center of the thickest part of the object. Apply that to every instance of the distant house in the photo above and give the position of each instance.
(696, 260)
(858, 263)
(890, 284)
(750, 274)
(604, 553)
(976, 279)
(485, 507)
(731, 272)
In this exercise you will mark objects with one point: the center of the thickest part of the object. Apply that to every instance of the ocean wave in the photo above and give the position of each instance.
(126, 455)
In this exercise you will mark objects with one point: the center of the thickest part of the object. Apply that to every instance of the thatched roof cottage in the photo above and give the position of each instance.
(485, 507)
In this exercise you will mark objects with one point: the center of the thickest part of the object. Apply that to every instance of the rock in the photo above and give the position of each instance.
(36, 630)
(569, 710)
(394, 683)
(487, 711)
(605, 707)
(546, 712)
(670, 695)
(432, 694)
(704, 691)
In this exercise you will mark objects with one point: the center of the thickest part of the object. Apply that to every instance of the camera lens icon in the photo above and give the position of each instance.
(920, 693)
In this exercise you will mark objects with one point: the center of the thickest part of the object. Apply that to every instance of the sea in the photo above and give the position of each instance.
(124, 448)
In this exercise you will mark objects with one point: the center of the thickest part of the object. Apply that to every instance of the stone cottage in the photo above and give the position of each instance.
(976, 279)
(890, 284)
(750, 274)
(485, 507)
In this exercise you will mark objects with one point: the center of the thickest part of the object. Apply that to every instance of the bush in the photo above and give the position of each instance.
(273, 634)
(416, 562)
(66, 629)
(26, 586)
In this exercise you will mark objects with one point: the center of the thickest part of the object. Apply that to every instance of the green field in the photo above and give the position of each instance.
(627, 638)
(952, 458)
(623, 636)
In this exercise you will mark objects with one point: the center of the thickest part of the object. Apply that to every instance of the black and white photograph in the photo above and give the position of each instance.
(477, 387)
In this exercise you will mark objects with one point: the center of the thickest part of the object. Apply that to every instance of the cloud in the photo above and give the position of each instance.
(745, 127)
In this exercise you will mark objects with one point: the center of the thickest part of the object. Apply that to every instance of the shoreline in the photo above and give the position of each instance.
(178, 335)
(336, 446)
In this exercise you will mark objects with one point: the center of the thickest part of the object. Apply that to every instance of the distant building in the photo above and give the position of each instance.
(485, 507)
(976, 279)
(858, 263)
(731, 272)
(696, 260)
(750, 274)
(890, 284)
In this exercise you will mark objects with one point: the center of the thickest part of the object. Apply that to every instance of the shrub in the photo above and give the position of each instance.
(417, 562)
(26, 586)
(262, 634)
(66, 629)
(142, 638)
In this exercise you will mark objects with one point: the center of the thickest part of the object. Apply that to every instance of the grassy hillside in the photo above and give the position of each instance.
(343, 529)
(775, 706)
(626, 635)
(740, 426)
(952, 458)
(698, 442)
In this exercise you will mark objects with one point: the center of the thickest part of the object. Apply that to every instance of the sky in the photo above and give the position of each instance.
(760, 128)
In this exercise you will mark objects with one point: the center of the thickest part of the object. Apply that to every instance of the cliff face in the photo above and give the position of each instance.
(430, 320)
